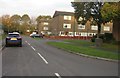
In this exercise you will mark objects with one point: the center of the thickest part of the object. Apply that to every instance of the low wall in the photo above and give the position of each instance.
(69, 37)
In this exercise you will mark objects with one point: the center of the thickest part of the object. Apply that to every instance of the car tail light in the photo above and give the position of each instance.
(8, 38)
(19, 38)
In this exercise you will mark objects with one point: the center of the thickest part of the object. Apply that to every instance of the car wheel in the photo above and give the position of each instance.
(7, 45)
(20, 44)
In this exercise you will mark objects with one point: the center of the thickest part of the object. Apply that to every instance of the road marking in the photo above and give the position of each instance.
(43, 58)
(28, 43)
(33, 48)
(57, 75)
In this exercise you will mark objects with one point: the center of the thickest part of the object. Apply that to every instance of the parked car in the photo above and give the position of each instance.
(14, 39)
(36, 35)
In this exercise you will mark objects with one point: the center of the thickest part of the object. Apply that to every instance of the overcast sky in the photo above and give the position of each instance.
(34, 7)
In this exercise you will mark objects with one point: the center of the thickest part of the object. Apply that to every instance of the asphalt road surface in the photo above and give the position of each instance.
(36, 58)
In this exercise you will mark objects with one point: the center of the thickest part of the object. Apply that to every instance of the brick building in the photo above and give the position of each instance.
(64, 24)
(43, 26)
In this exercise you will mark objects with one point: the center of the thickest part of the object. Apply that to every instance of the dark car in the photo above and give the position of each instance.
(36, 36)
(14, 39)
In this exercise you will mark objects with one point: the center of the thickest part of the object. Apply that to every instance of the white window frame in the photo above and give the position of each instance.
(93, 27)
(45, 28)
(80, 26)
(70, 33)
(45, 23)
(68, 26)
(83, 34)
(67, 17)
(106, 28)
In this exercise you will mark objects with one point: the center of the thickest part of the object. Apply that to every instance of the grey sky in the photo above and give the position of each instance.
(34, 7)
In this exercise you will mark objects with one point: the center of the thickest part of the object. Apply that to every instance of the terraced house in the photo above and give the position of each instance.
(64, 24)
(43, 26)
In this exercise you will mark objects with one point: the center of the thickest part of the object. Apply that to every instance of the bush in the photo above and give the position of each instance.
(107, 38)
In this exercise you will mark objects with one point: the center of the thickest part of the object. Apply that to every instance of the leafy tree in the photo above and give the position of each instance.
(111, 11)
(42, 17)
(88, 10)
(15, 22)
(26, 19)
(5, 21)
(33, 24)
(25, 23)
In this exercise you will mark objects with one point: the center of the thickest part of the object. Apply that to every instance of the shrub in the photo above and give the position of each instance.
(107, 38)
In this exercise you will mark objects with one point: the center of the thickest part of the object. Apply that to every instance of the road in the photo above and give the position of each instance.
(36, 58)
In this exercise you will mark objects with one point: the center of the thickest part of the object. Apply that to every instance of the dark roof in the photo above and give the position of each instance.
(62, 13)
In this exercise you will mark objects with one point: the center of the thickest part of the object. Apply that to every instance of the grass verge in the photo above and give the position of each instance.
(2, 36)
(85, 50)
(105, 46)
(37, 38)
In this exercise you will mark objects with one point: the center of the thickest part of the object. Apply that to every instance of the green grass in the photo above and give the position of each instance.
(105, 46)
(37, 38)
(2, 36)
(111, 47)
(84, 49)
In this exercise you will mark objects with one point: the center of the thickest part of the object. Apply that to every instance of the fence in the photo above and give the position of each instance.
(69, 37)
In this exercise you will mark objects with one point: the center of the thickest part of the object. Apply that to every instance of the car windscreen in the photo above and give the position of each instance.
(13, 35)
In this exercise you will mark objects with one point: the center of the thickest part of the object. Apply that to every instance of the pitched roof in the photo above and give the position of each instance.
(62, 13)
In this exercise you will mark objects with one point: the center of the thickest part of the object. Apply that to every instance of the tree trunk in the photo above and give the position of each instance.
(99, 30)
(116, 30)
(98, 41)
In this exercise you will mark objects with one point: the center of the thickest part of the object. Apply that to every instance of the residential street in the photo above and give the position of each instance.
(36, 58)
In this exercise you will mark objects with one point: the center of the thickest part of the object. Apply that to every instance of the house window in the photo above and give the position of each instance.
(93, 27)
(45, 23)
(83, 34)
(106, 28)
(62, 33)
(67, 26)
(67, 17)
(45, 28)
(70, 33)
(80, 26)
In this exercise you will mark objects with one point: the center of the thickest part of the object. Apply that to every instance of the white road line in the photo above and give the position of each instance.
(33, 48)
(57, 75)
(43, 58)
(28, 43)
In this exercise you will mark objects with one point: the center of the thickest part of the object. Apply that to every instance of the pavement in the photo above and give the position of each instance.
(0, 44)
(0, 58)
(36, 58)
